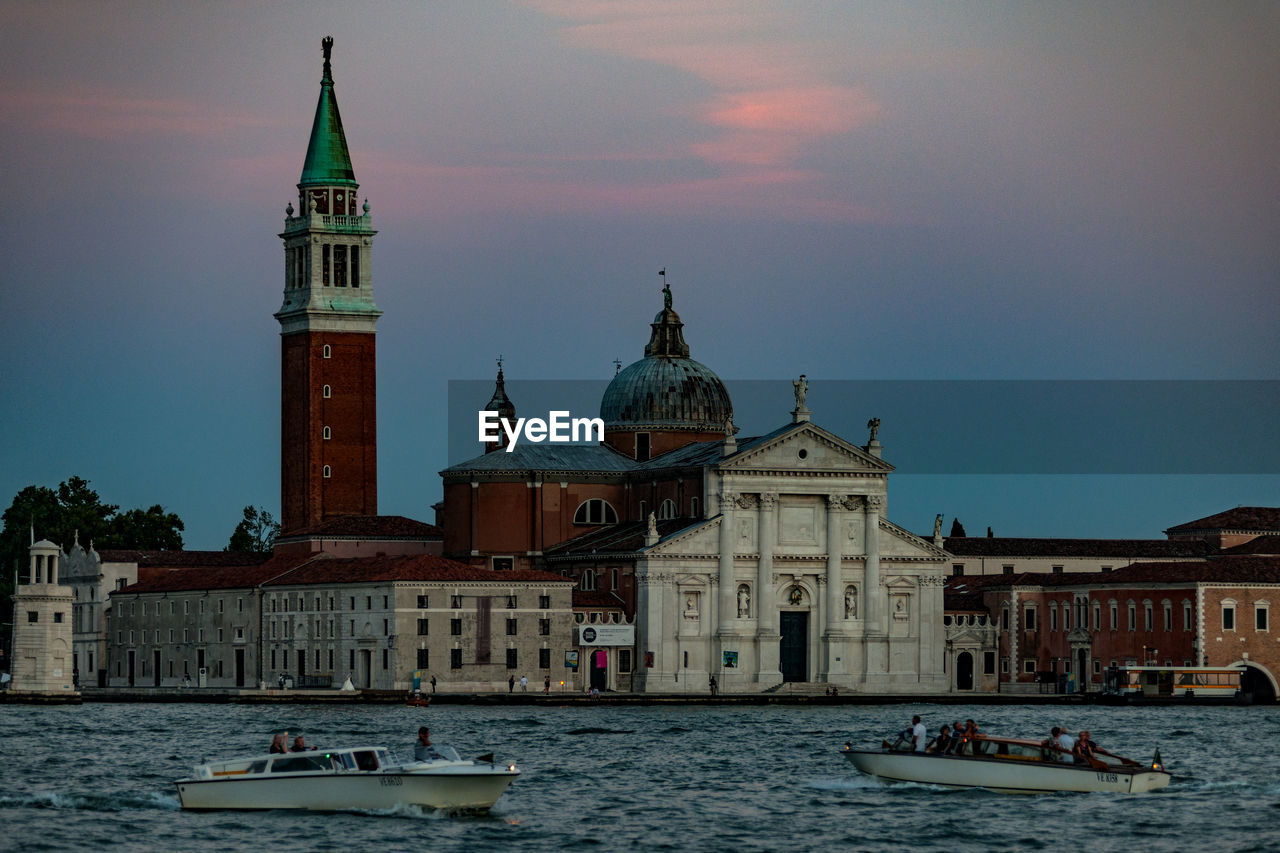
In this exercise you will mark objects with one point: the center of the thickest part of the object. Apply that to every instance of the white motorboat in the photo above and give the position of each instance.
(1011, 767)
(363, 777)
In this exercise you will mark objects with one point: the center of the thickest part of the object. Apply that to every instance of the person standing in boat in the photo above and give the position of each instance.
(423, 750)
(919, 735)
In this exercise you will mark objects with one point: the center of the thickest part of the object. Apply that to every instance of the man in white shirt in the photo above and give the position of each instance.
(1067, 744)
(919, 736)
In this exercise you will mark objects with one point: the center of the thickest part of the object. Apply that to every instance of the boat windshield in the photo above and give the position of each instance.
(302, 764)
(366, 760)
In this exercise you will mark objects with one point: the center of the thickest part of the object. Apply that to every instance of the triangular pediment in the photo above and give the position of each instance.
(900, 543)
(805, 447)
(699, 539)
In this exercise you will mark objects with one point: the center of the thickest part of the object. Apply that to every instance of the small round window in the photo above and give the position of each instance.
(804, 454)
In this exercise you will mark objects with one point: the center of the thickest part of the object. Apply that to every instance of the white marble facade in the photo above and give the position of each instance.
(782, 580)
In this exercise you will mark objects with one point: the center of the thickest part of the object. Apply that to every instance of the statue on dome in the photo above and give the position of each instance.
(666, 295)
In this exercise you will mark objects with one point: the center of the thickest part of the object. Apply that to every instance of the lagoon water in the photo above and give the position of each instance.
(635, 778)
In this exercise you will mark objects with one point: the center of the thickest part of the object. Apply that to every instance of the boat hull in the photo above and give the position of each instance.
(345, 791)
(1002, 774)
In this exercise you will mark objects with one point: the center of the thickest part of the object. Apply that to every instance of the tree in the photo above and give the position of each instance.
(152, 529)
(257, 532)
(957, 529)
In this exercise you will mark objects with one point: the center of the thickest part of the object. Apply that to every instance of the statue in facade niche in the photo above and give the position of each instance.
(850, 603)
(801, 390)
(874, 426)
(744, 602)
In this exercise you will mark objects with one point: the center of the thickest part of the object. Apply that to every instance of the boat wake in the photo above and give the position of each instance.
(92, 802)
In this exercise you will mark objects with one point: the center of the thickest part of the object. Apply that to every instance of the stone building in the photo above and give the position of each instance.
(754, 561)
(977, 555)
(42, 660)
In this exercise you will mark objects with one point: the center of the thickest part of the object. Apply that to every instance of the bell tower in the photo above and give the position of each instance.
(328, 383)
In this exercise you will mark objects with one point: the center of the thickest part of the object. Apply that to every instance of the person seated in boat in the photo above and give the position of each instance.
(972, 737)
(942, 742)
(423, 750)
(1085, 748)
(299, 745)
(278, 743)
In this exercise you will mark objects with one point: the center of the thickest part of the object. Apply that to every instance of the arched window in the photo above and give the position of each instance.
(327, 434)
(1066, 616)
(595, 511)
(1167, 606)
(588, 582)
(328, 351)
(1053, 616)
(1228, 614)
(327, 472)
(328, 392)
(1115, 619)
(667, 509)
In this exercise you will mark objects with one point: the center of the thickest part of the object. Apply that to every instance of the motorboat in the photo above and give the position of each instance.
(1010, 766)
(362, 777)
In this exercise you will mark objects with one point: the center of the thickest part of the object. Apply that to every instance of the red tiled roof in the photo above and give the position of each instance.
(183, 559)
(419, 567)
(1269, 544)
(1240, 518)
(1241, 570)
(217, 577)
(981, 546)
(616, 539)
(366, 527)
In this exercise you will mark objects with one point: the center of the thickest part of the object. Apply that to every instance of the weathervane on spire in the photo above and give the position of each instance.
(666, 289)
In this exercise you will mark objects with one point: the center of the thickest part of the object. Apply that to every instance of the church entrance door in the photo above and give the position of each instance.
(964, 671)
(599, 668)
(793, 658)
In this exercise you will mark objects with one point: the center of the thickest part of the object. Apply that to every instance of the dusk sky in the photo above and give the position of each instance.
(854, 191)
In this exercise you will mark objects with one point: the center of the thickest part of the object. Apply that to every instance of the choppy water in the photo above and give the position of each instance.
(652, 778)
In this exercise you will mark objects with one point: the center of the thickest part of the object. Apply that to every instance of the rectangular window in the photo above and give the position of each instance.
(219, 635)
(544, 627)
(422, 602)
(368, 602)
(544, 602)
(1106, 568)
(330, 660)
(385, 658)
(353, 603)
(1260, 618)
(221, 605)
(171, 635)
(273, 658)
(424, 658)
(386, 627)
(1004, 619)
(511, 602)
(1057, 570)
(1146, 617)
(317, 660)
(1115, 619)
(34, 616)
(544, 658)
(512, 657)
(1053, 618)
(385, 602)
(1066, 618)
(57, 617)
(1168, 617)
(503, 564)
(422, 627)
(1186, 616)
(1133, 616)
(455, 627)
(1006, 570)
(1029, 665)
(352, 662)
(1029, 618)
(1097, 666)
(624, 660)
(957, 570)
(455, 601)
(1097, 616)
(355, 266)
(511, 627)
(455, 658)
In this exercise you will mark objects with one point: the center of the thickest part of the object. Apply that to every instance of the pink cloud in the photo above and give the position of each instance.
(108, 115)
(774, 96)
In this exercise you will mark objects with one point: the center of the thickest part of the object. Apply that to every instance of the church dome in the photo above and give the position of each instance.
(666, 390)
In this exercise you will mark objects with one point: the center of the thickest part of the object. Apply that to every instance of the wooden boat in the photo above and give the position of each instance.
(341, 779)
(1010, 766)
(418, 701)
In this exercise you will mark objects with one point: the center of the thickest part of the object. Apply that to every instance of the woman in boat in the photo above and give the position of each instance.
(1084, 749)
(278, 743)
(942, 742)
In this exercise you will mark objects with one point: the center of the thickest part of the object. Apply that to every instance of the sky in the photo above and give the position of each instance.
(854, 191)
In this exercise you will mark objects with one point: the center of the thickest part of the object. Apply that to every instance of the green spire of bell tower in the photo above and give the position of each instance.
(328, 161)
